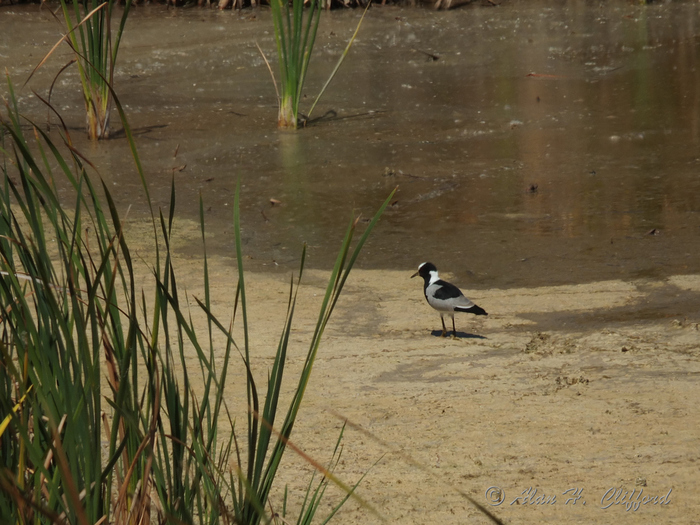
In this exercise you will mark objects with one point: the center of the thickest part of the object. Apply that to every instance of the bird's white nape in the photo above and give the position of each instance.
(434, 277)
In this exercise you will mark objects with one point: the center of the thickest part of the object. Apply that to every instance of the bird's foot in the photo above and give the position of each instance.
(443, 334)
(454, 335)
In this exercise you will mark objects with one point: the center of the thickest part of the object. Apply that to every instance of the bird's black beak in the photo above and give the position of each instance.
(415, 274)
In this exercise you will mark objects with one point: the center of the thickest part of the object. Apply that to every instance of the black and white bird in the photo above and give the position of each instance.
(445, 297)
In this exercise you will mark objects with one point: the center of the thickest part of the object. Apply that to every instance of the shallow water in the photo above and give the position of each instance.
(597, 107)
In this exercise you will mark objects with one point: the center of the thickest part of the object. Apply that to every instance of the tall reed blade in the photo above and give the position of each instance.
(340, 61)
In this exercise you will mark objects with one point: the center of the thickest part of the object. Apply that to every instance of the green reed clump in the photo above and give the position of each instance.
(96, 45)
(295, 35)
(101, 421)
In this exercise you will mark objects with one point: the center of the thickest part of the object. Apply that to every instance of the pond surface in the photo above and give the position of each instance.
(533, 143)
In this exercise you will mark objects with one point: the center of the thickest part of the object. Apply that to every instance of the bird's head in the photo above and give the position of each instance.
(424, 270)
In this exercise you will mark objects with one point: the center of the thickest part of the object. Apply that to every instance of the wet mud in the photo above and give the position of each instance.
(537, 143)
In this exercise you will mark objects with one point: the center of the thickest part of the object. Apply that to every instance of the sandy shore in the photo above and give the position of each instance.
(559, 396)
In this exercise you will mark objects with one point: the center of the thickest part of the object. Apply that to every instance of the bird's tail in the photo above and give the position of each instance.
(473, 309)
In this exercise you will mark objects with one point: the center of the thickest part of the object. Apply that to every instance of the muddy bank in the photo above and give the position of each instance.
(524, 399)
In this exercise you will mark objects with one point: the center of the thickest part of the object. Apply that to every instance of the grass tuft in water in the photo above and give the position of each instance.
(95, 45)
(295, 35)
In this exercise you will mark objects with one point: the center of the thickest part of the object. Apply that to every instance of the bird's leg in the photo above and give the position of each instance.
(454, 330)
(444, 329)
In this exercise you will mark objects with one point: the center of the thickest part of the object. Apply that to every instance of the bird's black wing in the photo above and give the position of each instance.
(446, 291)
